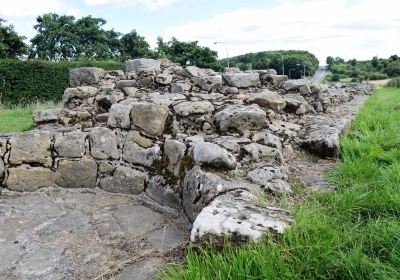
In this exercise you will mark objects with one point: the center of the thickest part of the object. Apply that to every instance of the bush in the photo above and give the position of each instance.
(395, 82)
(27, 82)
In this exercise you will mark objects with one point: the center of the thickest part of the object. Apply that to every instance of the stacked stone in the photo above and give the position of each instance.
(207, 143)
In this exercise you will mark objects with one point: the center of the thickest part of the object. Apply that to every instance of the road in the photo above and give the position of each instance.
(321, 73)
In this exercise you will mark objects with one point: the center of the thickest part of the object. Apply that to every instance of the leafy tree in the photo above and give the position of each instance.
(375, 61)
(11, 44)
(293, 59)
(330, 60)
(64, 38)
(134, 46)
(186, 53)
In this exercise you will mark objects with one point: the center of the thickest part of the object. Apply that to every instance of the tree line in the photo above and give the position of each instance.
(355, 71)
(65, 38)
(296, 63)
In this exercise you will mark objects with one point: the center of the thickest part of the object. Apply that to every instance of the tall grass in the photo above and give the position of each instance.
(395, 83)
(19, 118)
(352, 233)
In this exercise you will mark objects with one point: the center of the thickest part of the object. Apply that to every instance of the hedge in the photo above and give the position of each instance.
(31, 81)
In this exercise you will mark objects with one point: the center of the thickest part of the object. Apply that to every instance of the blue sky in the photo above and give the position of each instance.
(346, 28)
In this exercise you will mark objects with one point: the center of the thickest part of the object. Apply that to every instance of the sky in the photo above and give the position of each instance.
(346, 28)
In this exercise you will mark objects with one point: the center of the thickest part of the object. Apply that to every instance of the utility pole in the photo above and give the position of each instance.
(226, 48)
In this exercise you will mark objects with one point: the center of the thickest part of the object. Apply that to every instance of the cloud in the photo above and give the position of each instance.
(324, 27)
(149, 4)
(26, 8)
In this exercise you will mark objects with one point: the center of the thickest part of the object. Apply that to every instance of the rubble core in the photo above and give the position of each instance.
(209, 144)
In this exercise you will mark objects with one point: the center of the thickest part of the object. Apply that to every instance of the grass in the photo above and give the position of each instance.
(19, 119)
(353, 233)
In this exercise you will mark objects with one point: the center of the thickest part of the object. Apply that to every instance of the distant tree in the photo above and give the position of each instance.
(187, 52)
(375, 61)
(335, 78)
(134, 46)
(11, 44)
(353, 62)
(393, 57)
(64, 38)
(330, 60)
(339, 60)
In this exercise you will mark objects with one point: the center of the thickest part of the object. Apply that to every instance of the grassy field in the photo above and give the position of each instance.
(19, 119)
(353, 233)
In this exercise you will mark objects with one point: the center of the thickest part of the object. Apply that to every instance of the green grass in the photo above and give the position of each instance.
(19, 119)
(353, 233)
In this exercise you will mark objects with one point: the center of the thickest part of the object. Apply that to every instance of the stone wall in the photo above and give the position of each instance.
(205, 143)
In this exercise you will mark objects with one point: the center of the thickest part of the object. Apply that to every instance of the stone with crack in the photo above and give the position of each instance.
(143, 65)
(85, 76)
(32, 147)
(200, 188)
(271, 178)
(71, 145)
(104, 143)
(30, 179)
(119, 116)
(174, 151)
(124, 180)
(187, 108)
(149, 117)
(212, 155)
(259, 152)
(135, 154)
(242, 80)
(77, 173)
(266, 99)
(208, 83)
(237, 117)
(236, 216)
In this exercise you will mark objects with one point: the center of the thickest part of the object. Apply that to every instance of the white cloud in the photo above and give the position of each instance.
(24, 8)
(324, 27)
(149, 4)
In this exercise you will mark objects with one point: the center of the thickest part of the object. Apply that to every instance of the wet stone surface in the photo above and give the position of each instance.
(57, 233)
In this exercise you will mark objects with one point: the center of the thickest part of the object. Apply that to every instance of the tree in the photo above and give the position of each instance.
(64, 38)
(375, 61)
(11, 44)
(330, 60)
(134, 46)
(187, 53)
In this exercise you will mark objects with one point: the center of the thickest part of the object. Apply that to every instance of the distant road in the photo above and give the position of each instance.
(321, 73)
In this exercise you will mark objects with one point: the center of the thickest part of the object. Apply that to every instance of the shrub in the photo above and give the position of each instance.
(395, 82)
(31, 81)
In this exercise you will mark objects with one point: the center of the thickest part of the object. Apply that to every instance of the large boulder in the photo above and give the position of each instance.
(85, 76)
(187, 108)
(180, 86)
(32, 147)
(194, 71)
(134, 153)
(143, 65)
(46, 116)
(275, 80)
(149, 117)
(119, 116)
(320, 135)
(266, 99)
(239, 117)
(200, 188)
(271, 178)
(237, 216)
(242, 80)
(295, 84)
(295, 103)
(71, 145)
(104, 143)
(77, 173)
(124, 180)
(212, 155)
(28, 180)
(208, 83)
(74, 97)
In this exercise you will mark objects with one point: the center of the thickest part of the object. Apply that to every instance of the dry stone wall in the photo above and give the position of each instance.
(205, 143)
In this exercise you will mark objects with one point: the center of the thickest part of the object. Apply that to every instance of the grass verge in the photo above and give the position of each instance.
(18, 119)
(353, 233)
